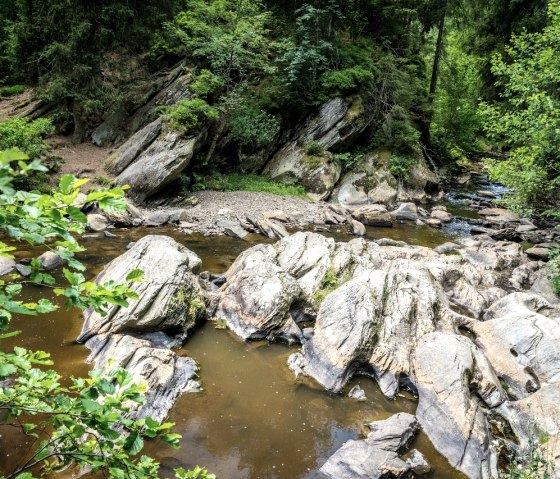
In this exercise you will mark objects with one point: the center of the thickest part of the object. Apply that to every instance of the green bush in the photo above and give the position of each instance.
(26, 136)
(400, 166)
(349, 159)
(12, 90)
(239, 182)
(554, 267)
(314, 148)
(189, 116)
(346, 81)
(206, 84)
(252, 126)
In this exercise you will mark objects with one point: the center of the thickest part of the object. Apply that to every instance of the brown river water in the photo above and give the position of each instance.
(253, 419)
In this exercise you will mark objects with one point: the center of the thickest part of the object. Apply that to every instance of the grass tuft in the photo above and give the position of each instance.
(256, 183)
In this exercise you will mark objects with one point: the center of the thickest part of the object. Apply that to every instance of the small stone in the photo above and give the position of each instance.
(357, 393)
(235, 230)
(277, 215)
(50, 260)
(157, 218)
(23, 270)
(108, 234)
(441, 215)
(178, 216)
(417, 462)
(406, 211)
(97, 222)
(224, 212)
(525, 228)
(7, 265)
(486, 194)
(373, 215)
(136, 221)
(446, 248)
(437, 208)
(433, 222)
(358, 229)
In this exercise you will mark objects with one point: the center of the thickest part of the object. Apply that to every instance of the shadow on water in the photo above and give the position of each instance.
(253, 419)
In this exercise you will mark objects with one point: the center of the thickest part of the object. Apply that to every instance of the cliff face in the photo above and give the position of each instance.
(152, 155)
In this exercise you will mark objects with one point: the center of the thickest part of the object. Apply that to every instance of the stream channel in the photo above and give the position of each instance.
(253, 419)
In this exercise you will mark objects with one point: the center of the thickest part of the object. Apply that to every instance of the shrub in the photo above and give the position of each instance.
(346, 81)
(314, 148)
(206, 84)
(12, 90)
(252, 126)
(400, 166)
(26, 136)
(349, 159)
(189, 116)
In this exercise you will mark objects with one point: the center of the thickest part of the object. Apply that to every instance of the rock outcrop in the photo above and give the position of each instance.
(336, 123)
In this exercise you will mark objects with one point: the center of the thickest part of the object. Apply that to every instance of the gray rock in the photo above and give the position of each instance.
(97, 222)
(7, 265)
(50, 260)
(165, 374)
(157, 218)
(131, 149)
(486, 194)
(357, 393)
(538, 253)
(271, 229)
(453, 395)
(158, 165)
(377, 456)
(525, 228)
(307, 333)
(169, 297)
(406, 211)
(499, 215)
(235, 230)
(393, 434)
(442, 216)
(358, 229)
(373, 215)
(417, 462)
(277, 215)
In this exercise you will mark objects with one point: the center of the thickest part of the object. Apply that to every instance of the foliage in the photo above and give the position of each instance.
(400, 166)
(206, 84)
(189, 116)
(313, 148)
(12, 90)
(534, 465)
(527, 120)
(196, 473)
(456, 123)
(349, 159)
(81, 422)
(348, 80)
(229, 38)
(239, 182)
(25, 135)
(554, 267)
(252, 126)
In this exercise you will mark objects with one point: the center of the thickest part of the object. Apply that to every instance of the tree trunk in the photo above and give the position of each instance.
(437, 54)
(79, 134)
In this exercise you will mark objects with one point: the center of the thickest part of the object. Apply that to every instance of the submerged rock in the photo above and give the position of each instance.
(169, 295)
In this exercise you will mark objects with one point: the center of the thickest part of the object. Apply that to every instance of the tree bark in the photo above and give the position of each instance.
(79, 123)
(437, 54)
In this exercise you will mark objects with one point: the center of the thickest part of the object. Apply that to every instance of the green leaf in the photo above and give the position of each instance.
(76, 214)
(133, 443)
(65, 184)
(135, 275)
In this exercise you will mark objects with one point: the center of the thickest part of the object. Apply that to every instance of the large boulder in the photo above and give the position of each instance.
(169, 296)
(266, 283)
(158, 165)
(165, 374)
(455, 385)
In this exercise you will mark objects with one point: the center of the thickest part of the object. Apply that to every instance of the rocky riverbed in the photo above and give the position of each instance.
(470, 328)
